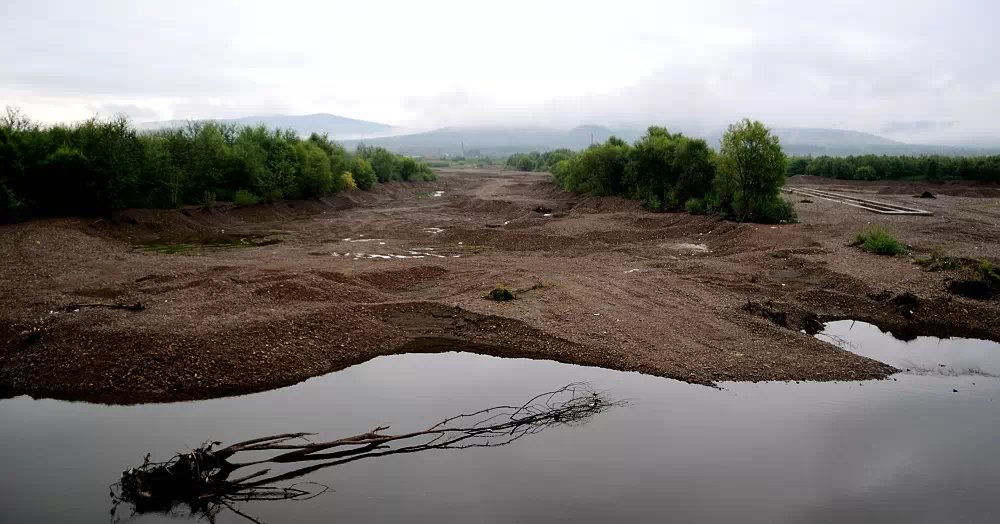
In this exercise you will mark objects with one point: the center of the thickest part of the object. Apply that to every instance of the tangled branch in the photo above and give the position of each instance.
(209, 478)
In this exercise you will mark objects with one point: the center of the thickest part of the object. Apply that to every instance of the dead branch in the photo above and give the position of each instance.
(203, 479)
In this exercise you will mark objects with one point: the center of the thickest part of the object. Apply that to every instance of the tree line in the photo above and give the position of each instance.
(96, 166)
(885, 167)
(671, 172)
(535, 161)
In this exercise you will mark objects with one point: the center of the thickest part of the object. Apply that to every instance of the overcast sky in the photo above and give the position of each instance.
(911, 69)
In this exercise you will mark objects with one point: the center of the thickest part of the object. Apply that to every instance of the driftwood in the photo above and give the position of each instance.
(209, 479)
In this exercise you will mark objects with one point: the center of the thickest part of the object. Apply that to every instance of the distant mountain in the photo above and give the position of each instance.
(337, 127)
(501, 141)
(494, 141)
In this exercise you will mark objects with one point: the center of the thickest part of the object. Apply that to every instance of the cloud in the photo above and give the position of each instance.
(856, 64)
(132, 111)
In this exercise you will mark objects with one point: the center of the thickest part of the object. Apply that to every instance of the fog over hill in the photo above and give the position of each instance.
(337, 127)
(501, 140)
(508, 139)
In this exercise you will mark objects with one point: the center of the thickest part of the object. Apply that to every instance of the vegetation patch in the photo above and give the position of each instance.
(877, 239)
(501, 294)
(97, 166)
(938, 261)
(898, 167)
(980, 278)
(671, 172)
(984, 283)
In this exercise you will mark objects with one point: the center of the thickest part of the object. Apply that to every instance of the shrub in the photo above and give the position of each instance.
(990, 273)
(313, 177)
(865, 173)
(695, 206)
(525, 163)
(364, 174)
(652, 203)
(385, 164)
(878, 240)
(11, 208)
(777, 211)
(501, 294)
(347, 180)
(245, 198)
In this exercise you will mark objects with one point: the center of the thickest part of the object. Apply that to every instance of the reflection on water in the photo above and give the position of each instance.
(879, 451)
(924, 355)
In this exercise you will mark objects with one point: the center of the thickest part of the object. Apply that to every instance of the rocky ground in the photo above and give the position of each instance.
(244, 299)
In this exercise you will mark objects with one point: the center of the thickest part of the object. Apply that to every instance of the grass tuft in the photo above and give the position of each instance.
(877, 239)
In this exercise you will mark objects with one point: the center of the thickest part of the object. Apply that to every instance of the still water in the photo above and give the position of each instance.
(910, 449)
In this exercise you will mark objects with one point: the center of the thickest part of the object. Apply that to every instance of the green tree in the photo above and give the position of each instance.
(313, 178)
(752, 172)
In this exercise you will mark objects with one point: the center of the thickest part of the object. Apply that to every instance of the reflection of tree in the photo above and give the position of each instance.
(205, 480)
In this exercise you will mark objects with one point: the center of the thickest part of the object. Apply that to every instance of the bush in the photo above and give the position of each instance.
(777, 211)
(525, 163)
(348, 181)
(695, 206)
(501, 294)
(363, 173)
(990, 273)
(245, 198)
(386, 165)
(11, 208)
(865, 173)
(878, 240)
(313, 177)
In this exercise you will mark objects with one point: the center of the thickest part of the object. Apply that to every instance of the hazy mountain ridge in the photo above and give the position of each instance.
(500, 140)
(337, 127)
(506, 140)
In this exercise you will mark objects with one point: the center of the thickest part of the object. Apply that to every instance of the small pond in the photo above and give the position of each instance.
(904, 450)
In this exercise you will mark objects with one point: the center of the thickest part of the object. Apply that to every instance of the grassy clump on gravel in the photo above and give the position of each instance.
(877, 239)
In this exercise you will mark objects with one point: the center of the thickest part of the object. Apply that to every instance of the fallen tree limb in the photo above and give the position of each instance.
(204, 479)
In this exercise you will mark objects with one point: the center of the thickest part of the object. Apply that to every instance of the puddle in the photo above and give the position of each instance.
(883, 451)
(922, 355)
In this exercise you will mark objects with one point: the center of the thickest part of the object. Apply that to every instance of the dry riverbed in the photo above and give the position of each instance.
(245, 299)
